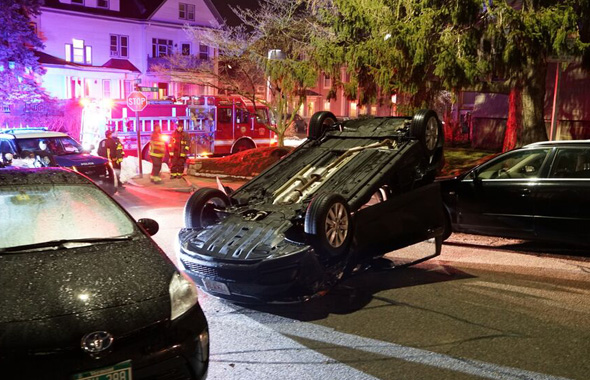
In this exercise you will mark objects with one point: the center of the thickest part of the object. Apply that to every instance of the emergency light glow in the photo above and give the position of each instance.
(165, 138)
(107, 103)
(84, 102)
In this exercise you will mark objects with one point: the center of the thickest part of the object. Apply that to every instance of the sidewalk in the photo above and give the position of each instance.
(186, 184)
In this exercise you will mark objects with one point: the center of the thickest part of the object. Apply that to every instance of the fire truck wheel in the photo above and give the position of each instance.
(242, 145)
(319, 123)
(201, 209)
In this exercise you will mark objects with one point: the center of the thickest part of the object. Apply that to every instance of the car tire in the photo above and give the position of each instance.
(426, 128)
(319, 123)
(242, 145)
(328, 224)
(199, 209)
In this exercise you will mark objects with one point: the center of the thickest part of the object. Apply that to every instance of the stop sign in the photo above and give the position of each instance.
(136, 101)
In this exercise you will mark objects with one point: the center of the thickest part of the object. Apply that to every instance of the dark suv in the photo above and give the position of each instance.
(37, 147)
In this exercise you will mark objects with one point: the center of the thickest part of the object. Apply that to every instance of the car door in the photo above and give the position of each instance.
(562, 200)
(400, 221)
(497, 198)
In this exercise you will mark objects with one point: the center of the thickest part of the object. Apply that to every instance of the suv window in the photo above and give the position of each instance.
(6, 147)
(53, 145)
(571, 163)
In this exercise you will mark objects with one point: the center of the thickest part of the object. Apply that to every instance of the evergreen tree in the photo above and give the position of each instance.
(419, 47)
(19, 67)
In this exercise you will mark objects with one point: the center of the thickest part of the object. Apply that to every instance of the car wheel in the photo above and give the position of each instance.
(320, 121)
(427, 129)
(200, 209)
(328, 223)
(242, 145)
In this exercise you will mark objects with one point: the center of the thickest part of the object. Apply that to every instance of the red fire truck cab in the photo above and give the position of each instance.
(217, 125)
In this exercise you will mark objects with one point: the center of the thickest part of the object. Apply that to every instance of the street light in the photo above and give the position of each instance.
(273, 54)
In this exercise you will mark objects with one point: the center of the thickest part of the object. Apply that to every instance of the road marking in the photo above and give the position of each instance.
(410, 354)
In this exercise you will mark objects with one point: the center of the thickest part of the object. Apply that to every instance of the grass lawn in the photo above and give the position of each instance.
(458, 160)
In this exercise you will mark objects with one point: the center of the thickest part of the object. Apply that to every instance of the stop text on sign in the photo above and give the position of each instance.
(136, 101)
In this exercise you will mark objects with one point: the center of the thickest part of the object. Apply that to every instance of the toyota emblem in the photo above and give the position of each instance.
(96, 342)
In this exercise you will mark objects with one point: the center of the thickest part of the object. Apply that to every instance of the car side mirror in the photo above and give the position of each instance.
(149, 225)
(474, 176)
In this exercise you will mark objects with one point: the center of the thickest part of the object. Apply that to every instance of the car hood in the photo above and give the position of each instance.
(49, 296)
(70, 160)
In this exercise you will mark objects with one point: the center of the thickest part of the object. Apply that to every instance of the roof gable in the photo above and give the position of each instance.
(202, 12)
(130, 9)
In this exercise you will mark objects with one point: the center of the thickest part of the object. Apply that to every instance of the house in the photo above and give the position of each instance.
(100, 49)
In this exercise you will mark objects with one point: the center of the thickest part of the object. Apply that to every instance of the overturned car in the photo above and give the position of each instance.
(352, 192)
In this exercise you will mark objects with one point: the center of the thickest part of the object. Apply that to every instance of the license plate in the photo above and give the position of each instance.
(216, 287)
(121, 371)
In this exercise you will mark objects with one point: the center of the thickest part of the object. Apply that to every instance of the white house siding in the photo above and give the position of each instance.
(59, 27)
(169, 12)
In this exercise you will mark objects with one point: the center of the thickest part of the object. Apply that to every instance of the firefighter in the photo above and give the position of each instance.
(157, 151)
(112, 148)
(179, 148)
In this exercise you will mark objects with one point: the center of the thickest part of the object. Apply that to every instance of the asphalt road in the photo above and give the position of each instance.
(485, 308)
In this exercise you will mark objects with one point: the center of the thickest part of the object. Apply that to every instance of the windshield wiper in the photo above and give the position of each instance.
(62, 243)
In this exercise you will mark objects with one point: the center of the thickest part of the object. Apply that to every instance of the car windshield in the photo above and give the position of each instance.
(36, 214)
(58, 146)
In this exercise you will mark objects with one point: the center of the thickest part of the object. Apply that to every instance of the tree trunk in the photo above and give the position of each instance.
(281, 139)
(514, 118)
(526, 110)
(533, 105)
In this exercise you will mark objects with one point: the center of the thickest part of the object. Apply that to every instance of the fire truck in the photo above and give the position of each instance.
(217, 125)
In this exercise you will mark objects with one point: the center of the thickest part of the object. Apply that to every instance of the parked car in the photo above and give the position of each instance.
(85, 293)
(538, 192)
(299, 124)
(38, 147)
(353, 191)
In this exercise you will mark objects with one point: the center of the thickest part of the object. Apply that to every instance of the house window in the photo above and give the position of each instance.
(79, 2)
(327, 81)
(186, 11)
(102, 4)
(78, 52)
(119, 46)
(346, 78)
(69, 52)
(106, 89)
(186, 49)
(127, 88)
(203, 52)
(161, 48)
